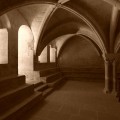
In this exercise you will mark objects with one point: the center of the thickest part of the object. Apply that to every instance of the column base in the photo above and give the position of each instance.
(114, 92)
(106, 91)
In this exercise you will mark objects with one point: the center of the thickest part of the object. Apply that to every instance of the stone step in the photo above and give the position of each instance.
(47, 92)
(10, 98)
(42, 66)
(43, 79)
(38, 84)
(15, 112)
(56, 82)
(92, 70)
(83, 72)
(53, 77)
(87, 79)
(49, 71)
(41, 87)
(84, 75)
(11, 82)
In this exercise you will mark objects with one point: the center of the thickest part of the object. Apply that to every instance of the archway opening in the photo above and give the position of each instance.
(25, 52)
(3, 46)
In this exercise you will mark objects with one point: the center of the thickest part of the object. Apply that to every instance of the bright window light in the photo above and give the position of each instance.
(3, 46)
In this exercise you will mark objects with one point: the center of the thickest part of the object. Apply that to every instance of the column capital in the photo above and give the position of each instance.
(111, 56)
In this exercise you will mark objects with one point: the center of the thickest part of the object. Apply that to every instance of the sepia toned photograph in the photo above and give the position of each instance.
(59, 59)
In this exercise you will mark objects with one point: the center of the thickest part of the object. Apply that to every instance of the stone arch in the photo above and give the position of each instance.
(64, 39)
(5, 21)
(80, 52)
(97, 49)
(99, 35)
(13, 5)
(84, 30)
(117, 44)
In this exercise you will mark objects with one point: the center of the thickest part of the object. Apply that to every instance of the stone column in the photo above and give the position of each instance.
(114, 91)
(108, 76)
(110, 73)
(48, 54)
(117, 83)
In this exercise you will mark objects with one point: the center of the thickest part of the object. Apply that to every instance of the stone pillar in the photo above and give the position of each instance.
(117, 83)
(56, 55)
(48, 54)
(114, 91)
(108, 76)
(110, 73)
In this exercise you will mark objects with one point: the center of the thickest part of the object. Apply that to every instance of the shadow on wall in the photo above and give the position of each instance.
(80, 53)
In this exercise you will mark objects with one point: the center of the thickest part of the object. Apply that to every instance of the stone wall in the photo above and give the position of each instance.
(80, 53)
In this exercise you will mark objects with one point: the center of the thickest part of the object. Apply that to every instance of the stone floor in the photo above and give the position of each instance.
(77, 101)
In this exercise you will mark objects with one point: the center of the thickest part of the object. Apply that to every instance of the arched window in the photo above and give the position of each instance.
(3, 46)
(48, 55)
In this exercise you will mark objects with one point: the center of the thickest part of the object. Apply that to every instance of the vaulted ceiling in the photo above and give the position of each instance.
(51, 20)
